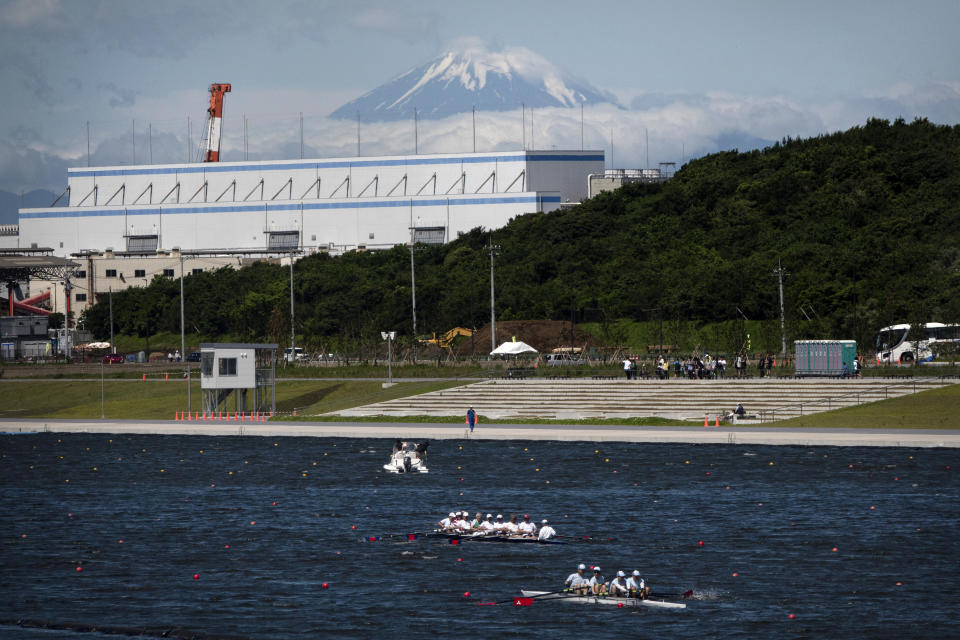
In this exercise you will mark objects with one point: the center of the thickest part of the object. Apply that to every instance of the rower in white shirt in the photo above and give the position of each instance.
(463, 523)
(576, 582)
(499, 526)
(526, 527)
(618, 586)
(546, 531)
(596, 584)
(636, 586)
(487, 525)
(447, 523)
(512, 528)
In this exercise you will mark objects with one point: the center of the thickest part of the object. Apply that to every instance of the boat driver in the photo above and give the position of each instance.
(576, 582)
(546, 531)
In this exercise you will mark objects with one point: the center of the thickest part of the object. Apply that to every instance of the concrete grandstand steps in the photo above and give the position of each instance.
(769, 398)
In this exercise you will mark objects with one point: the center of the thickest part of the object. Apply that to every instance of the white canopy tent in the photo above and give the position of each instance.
(512, 349)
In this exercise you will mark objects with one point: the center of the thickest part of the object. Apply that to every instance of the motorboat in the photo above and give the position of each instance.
(408, 457)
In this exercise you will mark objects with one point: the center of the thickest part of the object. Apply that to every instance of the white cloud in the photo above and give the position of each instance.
(678, 128)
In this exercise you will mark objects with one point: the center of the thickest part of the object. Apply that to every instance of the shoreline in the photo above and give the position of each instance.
(913, 438)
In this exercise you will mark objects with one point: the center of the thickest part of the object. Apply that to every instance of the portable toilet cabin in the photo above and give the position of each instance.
(235, 369)
(824, 357)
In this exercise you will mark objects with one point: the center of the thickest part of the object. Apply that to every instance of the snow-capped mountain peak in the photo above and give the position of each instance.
(473, 76)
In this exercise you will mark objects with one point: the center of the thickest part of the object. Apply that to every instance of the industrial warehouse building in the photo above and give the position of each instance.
(136, 220)
(335, 205)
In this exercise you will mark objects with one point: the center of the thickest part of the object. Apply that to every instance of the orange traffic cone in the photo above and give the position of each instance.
(166, 377)
(718, 421)
(706, 421)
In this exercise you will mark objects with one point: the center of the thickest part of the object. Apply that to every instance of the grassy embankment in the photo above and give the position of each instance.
(134, 400)
(159, 400)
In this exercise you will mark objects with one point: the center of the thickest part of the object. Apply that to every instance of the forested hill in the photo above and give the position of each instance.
(866, 224)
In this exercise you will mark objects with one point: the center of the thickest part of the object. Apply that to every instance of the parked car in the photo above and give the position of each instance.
(113, 358)
(193, 356)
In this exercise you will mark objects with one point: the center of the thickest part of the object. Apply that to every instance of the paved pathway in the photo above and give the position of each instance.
(593, 433)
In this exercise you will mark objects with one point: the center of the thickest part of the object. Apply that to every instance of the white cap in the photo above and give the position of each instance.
(596, 568)
(499, 517)
(544, 521)
(620, 574)
(582, 566)
(489, 516)
(452, 515)
(636, 573)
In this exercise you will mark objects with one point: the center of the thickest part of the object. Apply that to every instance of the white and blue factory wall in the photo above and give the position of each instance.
(336, 204)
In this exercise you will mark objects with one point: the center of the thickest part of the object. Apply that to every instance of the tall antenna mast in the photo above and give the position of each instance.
(581, 126)
(523, 123)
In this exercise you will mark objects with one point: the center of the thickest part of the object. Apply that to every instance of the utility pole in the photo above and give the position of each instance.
(183, 343)
(293, 331)
(113, 347)
(779, 272)
(413, 297)
(494, 250)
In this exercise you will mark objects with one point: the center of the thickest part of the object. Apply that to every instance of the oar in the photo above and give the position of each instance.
(409, 536)
(588, 538)
(683, 596)
(520, 601)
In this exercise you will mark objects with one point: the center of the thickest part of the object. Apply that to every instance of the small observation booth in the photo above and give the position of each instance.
(235, 369)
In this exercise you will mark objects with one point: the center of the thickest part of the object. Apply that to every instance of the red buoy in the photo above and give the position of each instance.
(459, 559)
(79, 569)
(834, 549)
(466, 594)
(700, 544)
(325, 585)
(196, 576)
(791, 616)
(620, 605)
(226, 546)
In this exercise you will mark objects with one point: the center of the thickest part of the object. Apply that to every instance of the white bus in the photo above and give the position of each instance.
(896, 345)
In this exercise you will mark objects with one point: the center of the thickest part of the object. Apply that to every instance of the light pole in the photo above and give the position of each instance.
(293, 331)
(113, 347)
(101, 388)
(779, 272)
(413, 297)
(183, 343)
(389, 336)
(494, 250)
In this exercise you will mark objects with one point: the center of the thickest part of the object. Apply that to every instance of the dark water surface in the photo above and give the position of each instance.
(771, 515)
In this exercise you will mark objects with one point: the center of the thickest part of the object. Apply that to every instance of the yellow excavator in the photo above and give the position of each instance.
(444, 341)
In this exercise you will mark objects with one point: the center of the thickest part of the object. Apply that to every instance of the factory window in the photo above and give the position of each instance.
(228, 366)
(111, 273)
(429, 235)
(313, 238)
(283, 239)
(80, 297)
(371, 236)
(139, 273)
(142, 244)
(197, 272)
(168, 273)
(81, 274)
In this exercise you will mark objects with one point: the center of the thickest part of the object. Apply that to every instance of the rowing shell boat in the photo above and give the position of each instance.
(480, 537)
(625, 602)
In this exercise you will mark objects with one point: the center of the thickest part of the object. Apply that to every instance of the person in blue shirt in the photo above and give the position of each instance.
(471, 418)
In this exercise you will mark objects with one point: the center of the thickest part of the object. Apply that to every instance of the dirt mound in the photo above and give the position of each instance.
(542, 335)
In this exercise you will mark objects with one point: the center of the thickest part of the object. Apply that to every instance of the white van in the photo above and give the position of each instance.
(294, 355)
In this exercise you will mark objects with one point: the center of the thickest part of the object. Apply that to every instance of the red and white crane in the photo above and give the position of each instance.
(214, 119)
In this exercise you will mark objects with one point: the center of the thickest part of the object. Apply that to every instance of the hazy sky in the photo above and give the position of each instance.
(697, 75)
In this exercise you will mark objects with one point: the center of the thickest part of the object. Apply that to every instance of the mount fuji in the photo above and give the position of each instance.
(457, 81)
